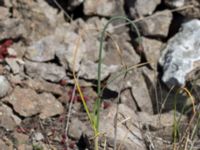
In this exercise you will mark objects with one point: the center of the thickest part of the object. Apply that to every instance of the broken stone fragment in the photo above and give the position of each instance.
(157, 25)
(44, 49)
(152, 49)
(20, 138)
(46, 71)
(127, 121)
(138, 88)
(26, 102)
(139, 8)
(6, 144)
(38, 136)
(180, 58)
(51, 13)
(5, 86)
(7, 118)
(76, 129)
(11, 28)
(119, 51)
(105, 8)
(73, 45)
(44, 86)
(4, 13)
(159, 121)
(13, 64)
(88, 70)
(194, 11)
(49, 106)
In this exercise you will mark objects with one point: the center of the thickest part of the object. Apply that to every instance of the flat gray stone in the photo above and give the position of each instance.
(181, 56)
(4, 13)
(134, 139)
(192, 12)
(157, 25)
(49, 106)
(139, 8)
(119, 51)
(6, 144)
(7, 118)
(47, 71)
(73, 45)
(13, 64)
(76, 129)
(134, 81)
(24, 101)
(12, 28)
(88, 70)
(152, 49)
(27, 103)
(103, 8)
(44, 49)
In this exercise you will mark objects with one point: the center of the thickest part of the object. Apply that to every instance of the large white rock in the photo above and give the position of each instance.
(181, 56)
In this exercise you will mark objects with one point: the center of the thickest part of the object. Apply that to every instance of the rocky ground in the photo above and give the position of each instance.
(40, 107)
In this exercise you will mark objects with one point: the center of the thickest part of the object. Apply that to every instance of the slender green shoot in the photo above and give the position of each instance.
(98, 101)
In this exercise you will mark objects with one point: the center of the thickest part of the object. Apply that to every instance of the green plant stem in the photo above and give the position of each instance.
(98, 102)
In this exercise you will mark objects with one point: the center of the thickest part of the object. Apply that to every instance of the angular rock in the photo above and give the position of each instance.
(38, 136)
(137, 85)
(4, 13)
(44, 86)
(25, 147)
(8, 120)
(49, 106)
(97, 24)
(157, 25)
(174, 3)
(121, 54)
(13, 64)
(44, 104)
(194, 11)
(6, 144)
(76, 129)
(139, 8)
(73, 43)
(44, 49)
(105, 8)
(159, 121)
(180, 58)
(88, 70)
(18, 49)
(7, 4)
(152, 49)
(51, 13)
(91, 37)
(12, 28)
(20, 139)
(47, 71)
(24, 101)
(11, 52)
(133, 140)
(5, 86)
(140, 92)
